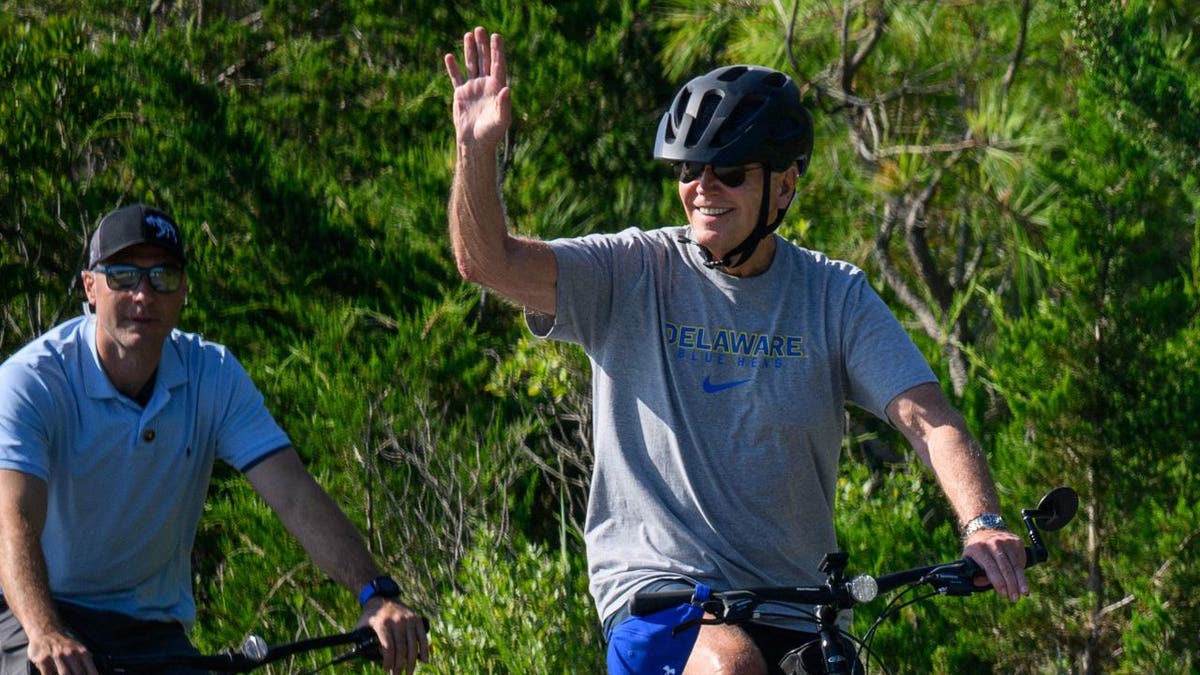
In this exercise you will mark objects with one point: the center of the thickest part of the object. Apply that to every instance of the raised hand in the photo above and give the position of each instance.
(482, 111)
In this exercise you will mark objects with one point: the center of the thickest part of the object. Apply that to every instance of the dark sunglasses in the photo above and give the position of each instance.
(163, 278)
(731, 176)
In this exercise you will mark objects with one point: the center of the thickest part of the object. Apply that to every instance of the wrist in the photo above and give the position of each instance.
(380, 587)
(984, 521)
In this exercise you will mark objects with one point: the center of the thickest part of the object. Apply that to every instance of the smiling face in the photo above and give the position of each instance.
(721, 217)
(135, 322)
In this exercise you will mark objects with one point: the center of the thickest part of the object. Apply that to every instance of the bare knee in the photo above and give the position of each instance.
(724, 650)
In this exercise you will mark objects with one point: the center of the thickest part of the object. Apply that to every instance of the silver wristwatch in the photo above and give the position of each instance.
(984, 521)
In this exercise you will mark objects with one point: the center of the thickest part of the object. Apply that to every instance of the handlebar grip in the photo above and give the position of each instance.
(366, 642)
(649, 602)
(1034, 556)
(958, 577)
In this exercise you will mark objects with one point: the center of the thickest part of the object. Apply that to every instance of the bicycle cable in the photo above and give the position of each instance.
(893, 606)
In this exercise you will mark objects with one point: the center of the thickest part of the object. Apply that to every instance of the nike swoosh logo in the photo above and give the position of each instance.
(711, 388)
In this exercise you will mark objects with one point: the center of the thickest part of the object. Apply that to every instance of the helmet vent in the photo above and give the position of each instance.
(732, 73)
(775, 79)
(680, 106)
(708, 106)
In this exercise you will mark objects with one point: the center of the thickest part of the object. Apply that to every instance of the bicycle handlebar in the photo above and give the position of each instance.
(254, 653)
(950, 578)
(957, 577)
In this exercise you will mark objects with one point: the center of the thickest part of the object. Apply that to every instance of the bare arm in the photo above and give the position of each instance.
(940, 437)
(25, 581)
(336, 547)
(523, 270)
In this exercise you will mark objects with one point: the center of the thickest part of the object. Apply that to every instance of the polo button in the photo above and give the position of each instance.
(148, 435)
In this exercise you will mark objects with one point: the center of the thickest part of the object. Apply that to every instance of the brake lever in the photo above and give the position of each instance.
(732, 609)
(739, 610)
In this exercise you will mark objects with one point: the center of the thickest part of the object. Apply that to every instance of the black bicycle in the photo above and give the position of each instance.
(254, 653)
(956, 578)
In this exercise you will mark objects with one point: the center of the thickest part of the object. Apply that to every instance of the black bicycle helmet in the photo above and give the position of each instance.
(738, 115)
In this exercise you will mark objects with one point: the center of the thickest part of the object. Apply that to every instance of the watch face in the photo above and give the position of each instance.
(985, 521)
(992, 522)
(386, 587)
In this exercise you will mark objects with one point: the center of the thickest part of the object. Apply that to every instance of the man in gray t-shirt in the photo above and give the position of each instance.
(722, 358)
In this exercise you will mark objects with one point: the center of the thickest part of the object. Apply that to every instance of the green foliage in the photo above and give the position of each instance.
(42, 167)
(1099, 387)
(520, 609)
(1048, 160)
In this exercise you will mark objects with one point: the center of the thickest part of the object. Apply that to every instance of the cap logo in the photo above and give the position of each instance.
(133, 225)
(163, 228)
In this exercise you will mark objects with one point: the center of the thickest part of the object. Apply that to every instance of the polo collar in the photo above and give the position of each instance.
(171, 372)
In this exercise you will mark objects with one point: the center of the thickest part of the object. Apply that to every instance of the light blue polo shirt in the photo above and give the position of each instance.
(127, 484)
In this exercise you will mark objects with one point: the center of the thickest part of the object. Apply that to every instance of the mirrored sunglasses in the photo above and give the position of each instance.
(163, 278)
(732, 176)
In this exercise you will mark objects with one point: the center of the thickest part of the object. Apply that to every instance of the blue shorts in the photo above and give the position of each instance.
(650, 644)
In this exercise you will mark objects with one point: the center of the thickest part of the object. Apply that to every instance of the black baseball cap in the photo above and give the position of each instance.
(132, 225)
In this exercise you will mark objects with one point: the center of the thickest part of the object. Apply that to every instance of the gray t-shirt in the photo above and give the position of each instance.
(719, 405)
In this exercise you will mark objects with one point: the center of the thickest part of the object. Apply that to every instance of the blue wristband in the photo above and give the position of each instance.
(384, 587)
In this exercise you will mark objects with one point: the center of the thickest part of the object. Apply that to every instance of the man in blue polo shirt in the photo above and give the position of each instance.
(109, 427)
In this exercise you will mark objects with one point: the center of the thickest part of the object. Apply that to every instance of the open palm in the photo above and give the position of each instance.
(482, 111)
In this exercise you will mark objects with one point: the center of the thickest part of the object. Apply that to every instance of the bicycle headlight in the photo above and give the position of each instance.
(255, 648)
(863, 588)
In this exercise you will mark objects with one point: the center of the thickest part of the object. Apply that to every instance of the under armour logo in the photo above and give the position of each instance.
(668, 670)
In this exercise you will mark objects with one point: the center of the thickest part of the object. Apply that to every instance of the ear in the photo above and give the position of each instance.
(787, 186)
(88, 279)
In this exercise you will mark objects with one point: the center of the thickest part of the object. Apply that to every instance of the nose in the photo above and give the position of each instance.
(143, 286)
(708, 179)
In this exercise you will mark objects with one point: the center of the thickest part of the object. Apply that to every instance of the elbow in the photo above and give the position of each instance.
(464, 261)
(471, 272)
(464, 268)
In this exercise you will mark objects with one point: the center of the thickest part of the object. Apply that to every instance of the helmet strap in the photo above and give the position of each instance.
(745, 250)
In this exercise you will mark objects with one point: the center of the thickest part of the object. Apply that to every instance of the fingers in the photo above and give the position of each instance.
(483, 66)
(60, 654)
(417, 644)
(409, 644)
(453, 71)
(498, 66)
(1001, 555)
(1012, 578)
(402, 638)
(471, 53)
(483, 56)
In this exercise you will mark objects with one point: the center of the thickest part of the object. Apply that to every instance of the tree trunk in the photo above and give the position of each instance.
(1091, 655)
